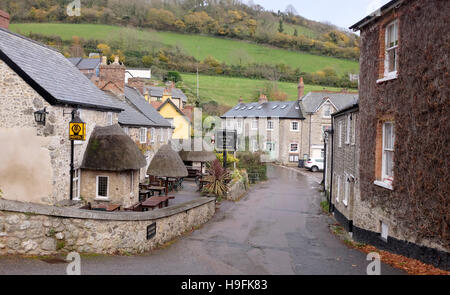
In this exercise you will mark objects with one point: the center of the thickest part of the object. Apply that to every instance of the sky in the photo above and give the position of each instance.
(342, 13)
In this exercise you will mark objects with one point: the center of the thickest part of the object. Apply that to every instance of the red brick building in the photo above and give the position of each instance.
(404, 125)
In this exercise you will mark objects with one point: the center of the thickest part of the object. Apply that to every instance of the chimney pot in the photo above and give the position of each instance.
(116, 60)
(4, 19)
(104, 60)
(262, 98)
(241, 100)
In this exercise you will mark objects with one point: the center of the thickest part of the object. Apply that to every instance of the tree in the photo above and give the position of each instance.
(295, 32)
(290, 10)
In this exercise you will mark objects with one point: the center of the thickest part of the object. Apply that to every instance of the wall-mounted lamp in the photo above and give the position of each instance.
(39, 116)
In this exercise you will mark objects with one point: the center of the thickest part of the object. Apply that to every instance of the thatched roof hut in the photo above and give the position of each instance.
(192, 155)
(167, 163)
(111, 149)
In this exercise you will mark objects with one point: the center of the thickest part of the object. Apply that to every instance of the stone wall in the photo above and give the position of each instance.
(119, 187)
(36, 158)
(35, 229)
(238, 189)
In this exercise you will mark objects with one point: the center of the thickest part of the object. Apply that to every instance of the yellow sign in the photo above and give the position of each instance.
(77, 131)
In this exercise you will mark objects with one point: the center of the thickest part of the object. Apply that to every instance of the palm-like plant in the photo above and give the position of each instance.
(217, 179)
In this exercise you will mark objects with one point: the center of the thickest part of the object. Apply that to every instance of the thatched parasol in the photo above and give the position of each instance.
(202, 156)
(111, 149)
(167, 163)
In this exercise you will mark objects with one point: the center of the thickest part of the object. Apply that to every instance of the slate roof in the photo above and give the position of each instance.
(280, 109)
(313, 100)
(376, 14)
(85, 63)
(51, 74)
(130, 116)
(140, 104)
(158, 92)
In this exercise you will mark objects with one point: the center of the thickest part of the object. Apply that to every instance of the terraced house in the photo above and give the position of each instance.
(41, 92)
(287, 130)
(403, 128)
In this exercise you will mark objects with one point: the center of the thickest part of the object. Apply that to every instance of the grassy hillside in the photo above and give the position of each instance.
(226, 91)
(224, 50)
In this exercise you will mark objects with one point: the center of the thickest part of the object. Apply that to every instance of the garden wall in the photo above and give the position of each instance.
(35, 229)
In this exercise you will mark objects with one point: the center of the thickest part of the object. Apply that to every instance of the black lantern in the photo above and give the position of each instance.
(39, 116)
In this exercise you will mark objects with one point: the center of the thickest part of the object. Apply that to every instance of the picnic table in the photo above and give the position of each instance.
(159, 189)
(144, 194)
(109, 207)
(153, 202)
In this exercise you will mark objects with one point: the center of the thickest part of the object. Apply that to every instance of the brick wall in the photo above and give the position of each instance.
(4, 19)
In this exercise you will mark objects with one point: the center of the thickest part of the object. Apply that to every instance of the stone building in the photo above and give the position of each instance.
(404, 112)
(342, 165)
(35, 156)
(295, 129)
(110, 167)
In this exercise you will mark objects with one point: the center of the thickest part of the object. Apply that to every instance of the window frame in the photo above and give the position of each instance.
(388, 179)
(161, 135)
(254, 124)
(346, 190)
(270, 122)
(326, 105)
(152, 135)
(298, 126)
(290, 147)
(388, 48)
(97, 188)
(109, 118)
(76, 180)
(348, 127)
(340, 133)
(143, 129)
(338, 188)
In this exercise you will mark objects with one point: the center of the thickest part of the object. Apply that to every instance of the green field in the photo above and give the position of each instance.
(226, 91)
(224, 50)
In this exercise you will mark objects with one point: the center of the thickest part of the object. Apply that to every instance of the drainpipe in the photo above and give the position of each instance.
(309, 140)
(330, 209)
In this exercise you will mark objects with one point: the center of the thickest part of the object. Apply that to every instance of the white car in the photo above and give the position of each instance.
(314, 164)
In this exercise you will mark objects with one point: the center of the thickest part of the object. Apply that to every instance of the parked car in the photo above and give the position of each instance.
(314, 164)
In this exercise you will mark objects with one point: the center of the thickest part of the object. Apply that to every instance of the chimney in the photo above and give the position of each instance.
(4, 19)
(262, 98)
(137, 83)
(112, 77)
(241, 100)
(301, 88)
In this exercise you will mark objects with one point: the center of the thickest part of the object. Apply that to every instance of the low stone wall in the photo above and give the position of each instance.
(35, 229)
(238, 189)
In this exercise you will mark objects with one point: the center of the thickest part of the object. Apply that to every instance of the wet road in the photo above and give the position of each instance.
(277, 228)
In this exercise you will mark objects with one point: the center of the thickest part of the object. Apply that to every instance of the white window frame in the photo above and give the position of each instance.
(161, 135)
(145, 135)
(340, 133)
(126, 130)
(384, 176)
(348, 134)
(388, 48)
(353, 139)
(97, 187)
(239, 125)
(292, 126)
(346, 190)
(152, 135)
(338, 189)
(169, 134)
(255, 146)
(326, 105)
(109, 118)
(76, 183)
(294, 158)
(384, 231)
(290, 147)
(255, 124)
(270, 125)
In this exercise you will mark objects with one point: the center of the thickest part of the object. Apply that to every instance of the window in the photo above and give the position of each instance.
(102, 186)
(388, 153)
(239, 125)
(161, 135)
(152, 135)
(338, 188)
(346, 190)
(384, 230)
(76, 184)
(132, 182)
(391, 53)
(349, 125)
(169, 134)
(340, 134)
(294, 126)
(143, 135)
(270, 146)
(326, 110)
(126, 130)
(254, 145)
(269, 125)
(353, 140)
(255, 124)
(109, 118)
(293, 158)
(293, 147)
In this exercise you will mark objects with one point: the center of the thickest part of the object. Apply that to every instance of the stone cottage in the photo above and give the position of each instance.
(404, 111)
(110, 167)
(35, 154)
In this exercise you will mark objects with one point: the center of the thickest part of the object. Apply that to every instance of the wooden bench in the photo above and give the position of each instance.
(135, 207)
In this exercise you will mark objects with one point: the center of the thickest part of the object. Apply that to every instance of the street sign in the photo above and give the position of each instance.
(77, 129)
(226, 140)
